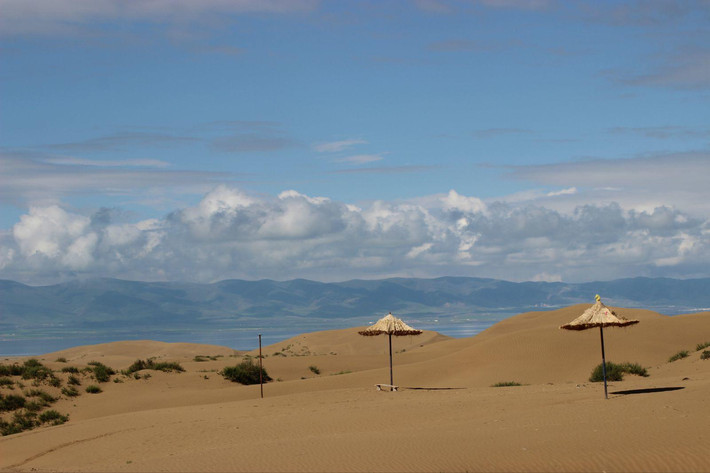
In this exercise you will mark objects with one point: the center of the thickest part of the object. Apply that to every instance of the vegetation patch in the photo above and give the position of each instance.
(12, 402)
(680, 355)
(204, 358)
(151, 364)
(700, 346)
(70, 391)
(11, 370)
(93, 389)
(705, 355)
(245, 372)
(5, 381)
(615, 372)
(73, 380)
(52, 416)
(70, 369)
(101, 372)
(314, 369)
(61, 359)
(42, 395)
(504, 384)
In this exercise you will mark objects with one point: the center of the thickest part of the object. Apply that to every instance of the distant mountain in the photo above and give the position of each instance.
(112, 303)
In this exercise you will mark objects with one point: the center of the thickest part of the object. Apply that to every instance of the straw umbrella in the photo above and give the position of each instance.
(390, 325)
(600, 316)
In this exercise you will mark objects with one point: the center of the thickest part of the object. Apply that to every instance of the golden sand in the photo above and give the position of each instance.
(337, 421)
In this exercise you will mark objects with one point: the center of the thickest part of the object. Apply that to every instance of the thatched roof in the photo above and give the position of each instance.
(598, 315)
(390, 325)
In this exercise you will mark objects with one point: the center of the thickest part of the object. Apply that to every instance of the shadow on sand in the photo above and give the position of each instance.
(648, 390)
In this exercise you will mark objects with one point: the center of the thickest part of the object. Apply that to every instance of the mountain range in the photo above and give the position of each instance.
(110, 303)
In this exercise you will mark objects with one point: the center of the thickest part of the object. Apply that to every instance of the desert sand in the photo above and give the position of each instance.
(337, 421)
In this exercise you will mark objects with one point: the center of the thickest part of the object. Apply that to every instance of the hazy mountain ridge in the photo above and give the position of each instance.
(111, 302)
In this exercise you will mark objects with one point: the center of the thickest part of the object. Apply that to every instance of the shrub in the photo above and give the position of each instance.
(314, 369)
(680, 355)
(61, 359)
(11, 402)
(10, 370)
(52, 416)
(93, 389)
(70, 391)
(245, 372)
(705, 355)
(5, 381)
(615, 372)
(102, 373)
(44, 396)
(150, 364)
(34, 406)
(73, 380)
(700, 346)
(33, 369)
(70, 369)
(504, 384)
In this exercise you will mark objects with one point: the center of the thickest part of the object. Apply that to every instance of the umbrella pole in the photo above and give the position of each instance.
(601, 332)
(391, 378)
(261, 370)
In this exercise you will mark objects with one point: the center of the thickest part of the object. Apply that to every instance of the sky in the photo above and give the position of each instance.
(526, 140)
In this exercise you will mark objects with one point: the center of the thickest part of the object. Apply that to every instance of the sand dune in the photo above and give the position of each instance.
(337, 421)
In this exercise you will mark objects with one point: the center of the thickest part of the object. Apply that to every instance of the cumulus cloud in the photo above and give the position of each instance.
(230, 234)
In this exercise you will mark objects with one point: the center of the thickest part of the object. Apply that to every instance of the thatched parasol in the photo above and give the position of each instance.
(600, 316)
(390, 325)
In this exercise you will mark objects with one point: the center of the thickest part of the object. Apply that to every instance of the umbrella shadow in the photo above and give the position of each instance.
(649, 390)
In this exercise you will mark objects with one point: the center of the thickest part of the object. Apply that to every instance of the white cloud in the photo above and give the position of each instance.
(336, 146)
(43, 17)
(360, 159)
(230, 234)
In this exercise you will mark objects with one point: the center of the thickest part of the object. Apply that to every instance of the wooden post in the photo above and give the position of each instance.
(261, 370)
(391, 378)
(601, 332)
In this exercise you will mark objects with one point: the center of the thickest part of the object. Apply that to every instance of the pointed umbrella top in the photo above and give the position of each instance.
(390, 325)
(598, 315)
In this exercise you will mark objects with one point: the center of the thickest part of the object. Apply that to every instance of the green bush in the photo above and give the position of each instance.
(615, 372)
(245, 372)
(33, 369)
(11, 402)
(44, 396)
(5, 381)
(11, 370)
(93, 389)
(70, 391)
(73, 380)
(61, 359)
(705, 355)
(314, 369)
(52, 416)
(70, 369)
(102, 373)
(504, 384)
(700, 346)
(150, 364)
(680, 355)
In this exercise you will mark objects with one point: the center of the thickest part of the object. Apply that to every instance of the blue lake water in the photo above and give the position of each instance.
(243, 335)
(42, 340)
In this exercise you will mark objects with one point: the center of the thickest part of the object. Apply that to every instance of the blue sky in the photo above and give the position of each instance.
(523, 140)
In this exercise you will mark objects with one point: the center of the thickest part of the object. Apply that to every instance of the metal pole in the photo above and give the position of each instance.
(261, 370)
(391, 378)
(601, 332)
